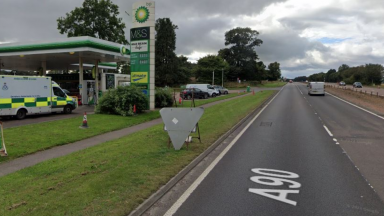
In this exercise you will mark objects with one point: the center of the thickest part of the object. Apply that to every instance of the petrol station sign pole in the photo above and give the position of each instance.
(143, 49)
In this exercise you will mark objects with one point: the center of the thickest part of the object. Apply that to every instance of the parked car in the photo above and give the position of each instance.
(357, 85)
(197, 93)
(342, 83)
(212, 92)
(221, 89)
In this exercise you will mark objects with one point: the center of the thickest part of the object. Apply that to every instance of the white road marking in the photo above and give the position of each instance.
(337, 143)
(329, 132)
(197, 182)
(334, 139)
(356, 106)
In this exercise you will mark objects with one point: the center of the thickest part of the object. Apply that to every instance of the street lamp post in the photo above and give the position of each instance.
(222, 77)
(213, 77)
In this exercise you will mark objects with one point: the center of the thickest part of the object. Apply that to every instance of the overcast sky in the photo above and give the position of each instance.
(304, 36)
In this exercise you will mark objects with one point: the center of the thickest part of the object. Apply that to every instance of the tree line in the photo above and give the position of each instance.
(237, 60)
(367, 74)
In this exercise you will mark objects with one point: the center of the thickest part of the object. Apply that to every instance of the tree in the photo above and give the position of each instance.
(241, 54)
(274, 71)
(373, 74)
(207, 64)
(343, 67)
(166, 60)
(185, 69)
(97, 18)
(329, 74)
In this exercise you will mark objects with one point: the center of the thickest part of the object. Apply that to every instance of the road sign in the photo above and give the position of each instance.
(180, 122)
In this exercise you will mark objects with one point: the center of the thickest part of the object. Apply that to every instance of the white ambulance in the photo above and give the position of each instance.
(29, 95)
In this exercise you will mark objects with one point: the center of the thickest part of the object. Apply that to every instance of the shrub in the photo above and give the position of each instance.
(120, 101)
(163, 98)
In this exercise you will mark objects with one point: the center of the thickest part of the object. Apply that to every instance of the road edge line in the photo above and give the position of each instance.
(141, 209)
(202, 176)
(372, 113)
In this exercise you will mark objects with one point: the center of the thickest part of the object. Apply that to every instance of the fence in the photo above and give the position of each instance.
(364, 92)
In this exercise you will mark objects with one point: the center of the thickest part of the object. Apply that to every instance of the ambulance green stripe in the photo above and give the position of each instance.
(41, 99)
(31, 104)
(17, 100)
(5, 106)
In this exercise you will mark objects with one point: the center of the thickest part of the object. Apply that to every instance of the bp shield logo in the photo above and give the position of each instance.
(142, 14)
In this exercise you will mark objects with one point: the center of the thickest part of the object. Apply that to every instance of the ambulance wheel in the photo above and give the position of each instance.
(68, 109)
(21, 114)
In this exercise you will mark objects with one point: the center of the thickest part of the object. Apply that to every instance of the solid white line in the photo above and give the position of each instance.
(197, 182)
(329, 132)
(356, 106)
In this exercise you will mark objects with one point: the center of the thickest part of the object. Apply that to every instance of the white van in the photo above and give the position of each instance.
(316, 88)
(205, 87)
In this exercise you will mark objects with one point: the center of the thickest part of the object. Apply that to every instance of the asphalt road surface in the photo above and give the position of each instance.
(301, 156)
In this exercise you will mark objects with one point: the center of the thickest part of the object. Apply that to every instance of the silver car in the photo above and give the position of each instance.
(221, 89)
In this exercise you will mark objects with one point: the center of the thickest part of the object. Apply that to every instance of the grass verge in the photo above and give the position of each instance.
(28, 139)
(199, 102)
(114, 177)
(24, 140)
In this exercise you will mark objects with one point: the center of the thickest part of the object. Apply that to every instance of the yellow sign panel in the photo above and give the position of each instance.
(139, 77)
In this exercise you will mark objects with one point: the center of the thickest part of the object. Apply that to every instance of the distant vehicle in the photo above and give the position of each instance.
(221, 89)
(290, 81)
(342, 83)
(204, 87)
(316, 88)
(195, 92)
(357, 85)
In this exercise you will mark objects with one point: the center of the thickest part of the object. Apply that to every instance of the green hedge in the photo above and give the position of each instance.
(163, 98)
(120, 101)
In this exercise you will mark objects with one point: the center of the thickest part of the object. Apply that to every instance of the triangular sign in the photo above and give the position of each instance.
(180, 122)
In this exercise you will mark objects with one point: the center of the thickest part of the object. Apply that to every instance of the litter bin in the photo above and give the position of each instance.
(248, 88)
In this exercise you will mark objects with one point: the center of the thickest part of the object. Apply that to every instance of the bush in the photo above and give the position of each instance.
(163, 98)
(120, 101)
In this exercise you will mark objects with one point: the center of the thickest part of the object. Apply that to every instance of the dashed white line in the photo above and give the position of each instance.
(334, 139)
(197, 182)
(329, 132)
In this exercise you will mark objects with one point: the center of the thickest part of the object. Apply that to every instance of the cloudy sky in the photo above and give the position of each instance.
(304, 36)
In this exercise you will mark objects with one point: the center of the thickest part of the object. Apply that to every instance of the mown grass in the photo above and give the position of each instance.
(199, 102)
(114, 177)
(24, 140)
(28, 139)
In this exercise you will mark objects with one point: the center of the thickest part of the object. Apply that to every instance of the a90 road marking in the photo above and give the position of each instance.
(274, 177)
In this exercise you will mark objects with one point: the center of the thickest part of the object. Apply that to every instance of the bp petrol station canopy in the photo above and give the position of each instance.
(61, 54)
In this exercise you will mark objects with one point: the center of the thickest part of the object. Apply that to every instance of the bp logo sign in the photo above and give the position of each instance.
(142, 14)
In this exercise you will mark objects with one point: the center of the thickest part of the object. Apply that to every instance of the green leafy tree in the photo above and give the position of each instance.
(124, 67)
(185, 69)
(373, 74)
(318, 77)
(205, 67)
(167, 63)
(343, 67)
(96, 18)
(274, 71)
(328, 75)
(241, 54)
